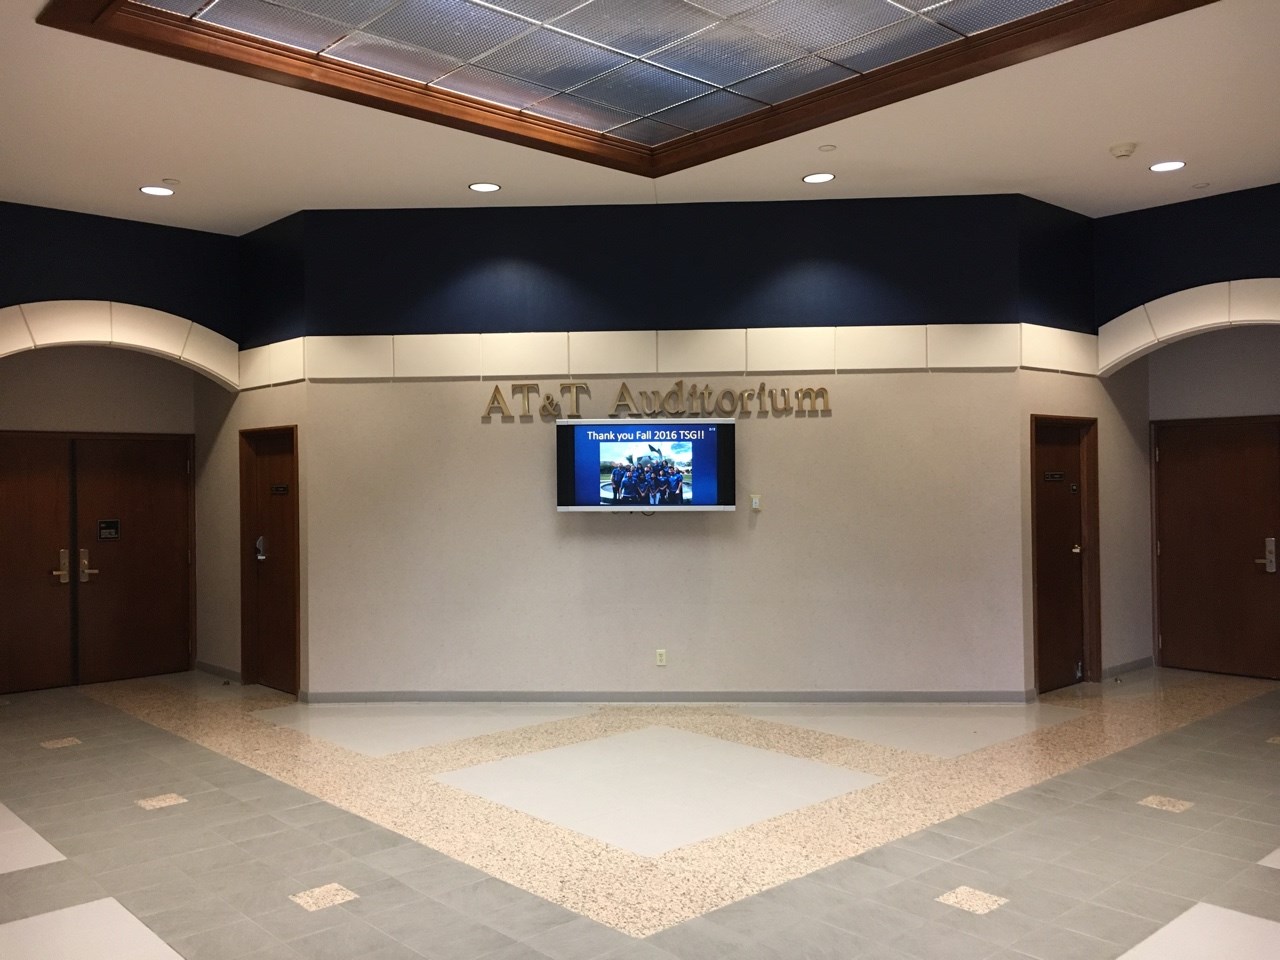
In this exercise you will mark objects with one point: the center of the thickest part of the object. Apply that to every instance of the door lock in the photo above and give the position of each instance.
(1075, 548)
(63, 573)
(1268, 555)
(85, 570)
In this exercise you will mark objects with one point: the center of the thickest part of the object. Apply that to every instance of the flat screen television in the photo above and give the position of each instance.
(645, 465)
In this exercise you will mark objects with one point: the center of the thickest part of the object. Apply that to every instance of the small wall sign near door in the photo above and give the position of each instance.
(279, 489)
(108, 529)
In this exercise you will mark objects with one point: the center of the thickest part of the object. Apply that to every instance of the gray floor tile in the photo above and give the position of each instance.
(700, 939)
(758, 917)
(932, 843)
(352, 939)
(1143, 902)
(934, 940)
(381, 895)
(872, 920)
(1061, 944)
(528, 917)
(403, 859)
(897, 860)
(852, 877)
(225, 943)
(1125, 929)
(811, 940)
(579, 939)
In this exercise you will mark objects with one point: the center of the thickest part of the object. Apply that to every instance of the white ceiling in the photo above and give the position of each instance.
(85, 123)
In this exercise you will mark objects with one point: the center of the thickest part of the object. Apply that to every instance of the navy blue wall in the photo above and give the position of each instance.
(934, 260)
(55, 255)
(1150, 253)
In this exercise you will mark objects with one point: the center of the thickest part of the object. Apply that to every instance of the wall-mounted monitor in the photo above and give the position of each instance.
(645, 465)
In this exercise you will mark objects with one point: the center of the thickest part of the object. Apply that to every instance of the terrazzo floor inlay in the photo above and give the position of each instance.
(1170, 804)
(429, 794)
(161, 801)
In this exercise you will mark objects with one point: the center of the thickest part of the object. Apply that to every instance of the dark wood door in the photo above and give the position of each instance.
(1217, 501)
(269, 567)
(35, 538)
(134, 581)
(1064, 551)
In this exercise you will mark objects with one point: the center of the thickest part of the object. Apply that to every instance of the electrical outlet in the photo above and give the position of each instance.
(660, 658)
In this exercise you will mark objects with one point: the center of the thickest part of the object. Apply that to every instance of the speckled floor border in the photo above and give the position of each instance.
(640, 895)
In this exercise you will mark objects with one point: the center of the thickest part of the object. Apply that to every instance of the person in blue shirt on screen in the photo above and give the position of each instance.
(644, 485)
(675, 487)
(661, 487)
(629, 488)
(616, 478)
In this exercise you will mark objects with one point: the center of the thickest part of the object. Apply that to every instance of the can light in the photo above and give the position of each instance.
(819, 178)
(1167, 166)
(484, 187)
(157, 191)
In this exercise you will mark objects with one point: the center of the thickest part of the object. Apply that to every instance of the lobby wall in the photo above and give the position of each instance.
(1221, 373)
(892, 555)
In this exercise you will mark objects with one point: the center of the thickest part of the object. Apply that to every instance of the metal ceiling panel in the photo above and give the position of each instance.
(387, 56)
(182, 7)
(538, 10)
(552, 60)
(452, 27)
(354, 12)
(640, 89)
(974, 16)
(895, 42)
(281, 24)
(637, 27)
(819, 24)
(580, 113)
(707, 111)
(725, 54)
(648, 132)
(472, 81)
(794, 79)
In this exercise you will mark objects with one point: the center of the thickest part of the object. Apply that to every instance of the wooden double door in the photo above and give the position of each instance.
(1217, 520)
(95, 558)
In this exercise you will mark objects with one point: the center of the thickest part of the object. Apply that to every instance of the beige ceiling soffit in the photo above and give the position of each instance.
(145, 28)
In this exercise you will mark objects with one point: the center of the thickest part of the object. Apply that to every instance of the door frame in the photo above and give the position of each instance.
(1090, 574)
(1157, 648)
(74, 545)
(248, 639)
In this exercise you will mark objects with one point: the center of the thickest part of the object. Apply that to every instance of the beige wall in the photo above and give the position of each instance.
(1223, 373)
(95, 389)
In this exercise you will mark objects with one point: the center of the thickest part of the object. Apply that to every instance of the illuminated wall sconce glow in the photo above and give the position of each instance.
(157, 191)
(484, 187)
(819, 178)
(1167, 166)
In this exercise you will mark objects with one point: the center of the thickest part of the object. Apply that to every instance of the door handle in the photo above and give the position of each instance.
(260, 545)
(1268, 554)
(85, 570)
(63, 573)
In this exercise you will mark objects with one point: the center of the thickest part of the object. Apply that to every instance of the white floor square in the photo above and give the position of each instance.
(20, 846)
(379, 729)
(1272, 859)
(938, 729)
(1206, 931)
(103, 930)
(653, 790)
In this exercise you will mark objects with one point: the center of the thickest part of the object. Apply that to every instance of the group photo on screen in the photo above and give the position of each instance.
(646, 474)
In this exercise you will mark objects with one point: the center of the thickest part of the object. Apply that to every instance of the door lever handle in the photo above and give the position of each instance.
(63, 573)
(1268, 554)
(85, 570)
(260, 545)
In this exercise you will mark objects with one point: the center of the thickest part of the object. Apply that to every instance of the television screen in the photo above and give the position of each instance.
(646, 465)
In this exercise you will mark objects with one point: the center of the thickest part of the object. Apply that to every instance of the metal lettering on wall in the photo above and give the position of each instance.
(696, 401)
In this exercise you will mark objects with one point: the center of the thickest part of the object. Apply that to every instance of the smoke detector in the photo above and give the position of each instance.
(1122, 151)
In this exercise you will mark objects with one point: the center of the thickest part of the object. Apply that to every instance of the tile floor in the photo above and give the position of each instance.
(215, 822)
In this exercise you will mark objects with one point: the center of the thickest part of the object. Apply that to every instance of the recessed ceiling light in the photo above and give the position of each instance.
(157, 191)
(819, 178)
(484, 187)
(1167, 166)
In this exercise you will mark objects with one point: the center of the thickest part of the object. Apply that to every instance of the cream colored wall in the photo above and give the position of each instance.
(1222, 373)
(95, 390)
(219, 418)
(888, 556)
(1119, 404)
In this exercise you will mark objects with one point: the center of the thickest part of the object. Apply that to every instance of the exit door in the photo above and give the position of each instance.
(1064, 507)
(94, 558)
(1217, 519)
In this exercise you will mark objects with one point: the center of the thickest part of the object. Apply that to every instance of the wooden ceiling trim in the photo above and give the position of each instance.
(156, 31)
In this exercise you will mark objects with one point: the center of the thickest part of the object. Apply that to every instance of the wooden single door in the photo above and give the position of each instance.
(1217, 503)
(269, 558)
(134, 576)
(1064, 551)
(35, 563)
